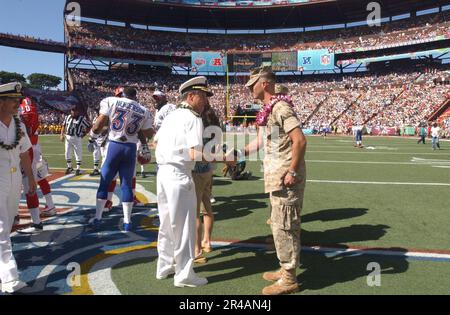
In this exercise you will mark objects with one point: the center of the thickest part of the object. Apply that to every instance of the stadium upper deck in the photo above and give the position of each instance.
(292, 15)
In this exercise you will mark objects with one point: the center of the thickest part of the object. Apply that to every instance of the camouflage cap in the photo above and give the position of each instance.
(258, 73)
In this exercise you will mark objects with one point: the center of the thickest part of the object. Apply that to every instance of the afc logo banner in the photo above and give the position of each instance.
(216, 62)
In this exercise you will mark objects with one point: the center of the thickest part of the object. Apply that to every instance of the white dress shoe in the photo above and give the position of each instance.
(192, 283)
(164, 275)
(13, 286)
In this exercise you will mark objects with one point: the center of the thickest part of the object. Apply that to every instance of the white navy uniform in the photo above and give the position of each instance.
(11, 183)
(177, 202)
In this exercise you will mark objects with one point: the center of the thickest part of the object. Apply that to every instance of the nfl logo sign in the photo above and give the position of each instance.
(325, 60)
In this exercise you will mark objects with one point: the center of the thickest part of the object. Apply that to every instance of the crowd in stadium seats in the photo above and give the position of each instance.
(413, 106)
(94, 35)
(30, 39)
(50, 120)
(371, 102)
(383, 100)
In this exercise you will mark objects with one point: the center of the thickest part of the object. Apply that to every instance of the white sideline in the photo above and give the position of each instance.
(376, 183)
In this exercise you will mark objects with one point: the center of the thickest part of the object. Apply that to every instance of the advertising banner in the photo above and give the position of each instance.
(245, 62)
(284, 61)
(209, 62)
(315, 60)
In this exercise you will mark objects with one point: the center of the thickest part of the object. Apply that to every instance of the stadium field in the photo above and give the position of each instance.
(384, 204)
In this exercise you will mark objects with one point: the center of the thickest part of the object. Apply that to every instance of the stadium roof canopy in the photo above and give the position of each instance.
(313, 13)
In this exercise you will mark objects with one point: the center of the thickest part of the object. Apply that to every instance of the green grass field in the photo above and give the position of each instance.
(394, 195)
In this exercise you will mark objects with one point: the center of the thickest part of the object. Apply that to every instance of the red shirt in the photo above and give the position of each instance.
(30, 118)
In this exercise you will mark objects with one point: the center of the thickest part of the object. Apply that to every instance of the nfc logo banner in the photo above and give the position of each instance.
(315, 60)
(307, 60)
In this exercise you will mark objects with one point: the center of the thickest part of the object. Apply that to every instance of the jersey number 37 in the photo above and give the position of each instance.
(121, 121)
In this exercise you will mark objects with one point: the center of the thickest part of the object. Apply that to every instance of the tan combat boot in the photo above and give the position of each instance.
(273, 276)
(286, 285)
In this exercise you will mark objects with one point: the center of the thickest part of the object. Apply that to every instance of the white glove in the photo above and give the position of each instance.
(145, 152)
(92, 145)
(93, 135)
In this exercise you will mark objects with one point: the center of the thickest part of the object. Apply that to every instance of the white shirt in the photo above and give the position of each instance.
(162, 113)
(180, 131)
(10, 159)
(435, 131)
(126, 118)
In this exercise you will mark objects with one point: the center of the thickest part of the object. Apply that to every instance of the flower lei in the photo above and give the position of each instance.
(266, 110)
(19, 135)
(187, 106)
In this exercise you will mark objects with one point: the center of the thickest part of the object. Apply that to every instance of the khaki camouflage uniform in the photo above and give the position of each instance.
(286, 202)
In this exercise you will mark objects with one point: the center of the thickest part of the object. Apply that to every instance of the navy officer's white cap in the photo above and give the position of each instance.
(196, 84)
(13, 90)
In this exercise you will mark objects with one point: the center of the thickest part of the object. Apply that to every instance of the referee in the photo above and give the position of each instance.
(75, 127)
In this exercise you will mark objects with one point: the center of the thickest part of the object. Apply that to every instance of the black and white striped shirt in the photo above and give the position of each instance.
(75, 126)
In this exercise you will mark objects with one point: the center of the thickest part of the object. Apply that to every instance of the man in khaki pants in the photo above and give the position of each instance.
(284, 175)
(203, 177)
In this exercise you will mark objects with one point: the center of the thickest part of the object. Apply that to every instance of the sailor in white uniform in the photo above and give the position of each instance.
(178, 145)
(14, 146)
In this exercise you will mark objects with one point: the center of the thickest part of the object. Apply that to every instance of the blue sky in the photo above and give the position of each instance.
(38, 18)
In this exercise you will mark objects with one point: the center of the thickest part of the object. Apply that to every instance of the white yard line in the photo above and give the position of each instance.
(372, 152)
(376, 183)
(366, 162)
(353, 182)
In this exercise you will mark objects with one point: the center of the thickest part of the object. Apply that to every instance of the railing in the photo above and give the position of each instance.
(316, 110)
(392, 103)
(441, 110)
(346, 109)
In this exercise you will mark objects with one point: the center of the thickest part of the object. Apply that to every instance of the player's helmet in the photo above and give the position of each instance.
(142, 160)
(118, 92)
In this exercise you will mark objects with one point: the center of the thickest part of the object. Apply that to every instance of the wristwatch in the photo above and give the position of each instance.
(293, 174)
